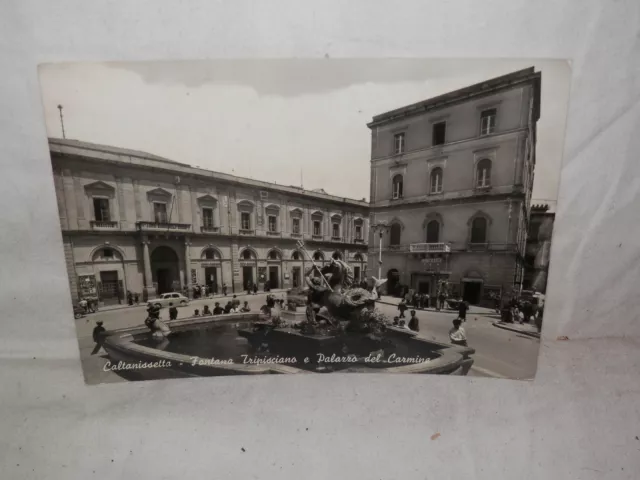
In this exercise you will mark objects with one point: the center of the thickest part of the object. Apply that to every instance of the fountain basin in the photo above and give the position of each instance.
(232, 345)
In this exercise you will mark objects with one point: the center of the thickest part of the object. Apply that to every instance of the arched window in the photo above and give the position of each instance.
(483, 173)
(210, 254)
(394, 236)
(296, 256)
(357, 258)
(318, 257)
(247, 254)
(433, 231)
(436, 180)
(479, 230)
(273, 255)
(397, 186)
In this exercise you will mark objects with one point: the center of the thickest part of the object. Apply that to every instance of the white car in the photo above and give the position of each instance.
(165, 299)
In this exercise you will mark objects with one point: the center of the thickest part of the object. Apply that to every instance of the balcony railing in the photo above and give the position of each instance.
(209, 229)
(316, 237)
(159, 226)
(101, 224)
(296, 235)
(336, 239)
(273, 233)
(358, 240)
(439, 247)
(246, 231)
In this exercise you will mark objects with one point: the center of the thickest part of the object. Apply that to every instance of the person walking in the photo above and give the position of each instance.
(173, 312)
(136, 298)
(224, 289)
(414, 324)
(255, 288)
(402, 307)
(457, 335)
(98, 336)
(249, 288)
(129, 298)
(462, 310)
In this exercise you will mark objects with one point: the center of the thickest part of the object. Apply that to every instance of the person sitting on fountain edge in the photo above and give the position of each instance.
(413, 322)
(206, 311)
(245, 308)
(457, 334)
(228, 307)
(173, 312)
(217, 309)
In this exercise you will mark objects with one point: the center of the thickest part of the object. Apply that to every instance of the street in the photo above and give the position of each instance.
(499, 353)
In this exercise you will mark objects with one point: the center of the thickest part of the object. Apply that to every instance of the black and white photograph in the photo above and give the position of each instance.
(322, 216)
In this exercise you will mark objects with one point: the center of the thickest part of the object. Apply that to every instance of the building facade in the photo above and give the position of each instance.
(136, 222)
(451, 181)
(538, 248)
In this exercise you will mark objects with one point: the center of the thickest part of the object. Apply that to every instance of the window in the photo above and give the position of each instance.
(357, 258)
(207, 217)
(245, 220)
(433, 231)
(101, 209)
(335, 230)
(160, 212)
(246, 255)
(358, 232)
(397, 187)
(317, 229)
(295, 256)
(273, 255)
(273, 223)
(398, 143)
(318, 257)
(439, 133)
(210, 254)
(488, 121)
(483, 176)
(295, 227)
(436, 180)
(534, 231)
(479, 230)
(107, 253)
(394, 236)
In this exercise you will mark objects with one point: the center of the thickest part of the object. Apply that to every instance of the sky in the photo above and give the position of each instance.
(289, 121)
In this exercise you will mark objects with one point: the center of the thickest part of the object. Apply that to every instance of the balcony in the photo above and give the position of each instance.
(316, 236)
(209, 229)
(429, 248)
(358, 240)
(336, 239)
(272, 233)
(296, 235)
(246, 231)
(163, 227)
(103, 225)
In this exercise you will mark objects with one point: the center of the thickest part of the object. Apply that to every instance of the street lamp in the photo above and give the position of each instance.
(381, 227)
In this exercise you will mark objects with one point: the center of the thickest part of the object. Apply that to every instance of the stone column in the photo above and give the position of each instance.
(149, 289)
(187, 267)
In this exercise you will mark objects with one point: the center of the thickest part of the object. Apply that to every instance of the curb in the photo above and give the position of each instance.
(516, 330)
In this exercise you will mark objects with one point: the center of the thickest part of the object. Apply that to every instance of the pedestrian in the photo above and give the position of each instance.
(206, 311)
(402, 307)
(519, 316)
(173, 312)
(414, 324)
(224, 289)
(457, 334)
(129, 298)
(441, 299)
(245, 307)
(98, 336)
(425, 301)
(84, 305)
(217, 309)
(462, 310)
(228, 307)
(136, 298)
(248, 288)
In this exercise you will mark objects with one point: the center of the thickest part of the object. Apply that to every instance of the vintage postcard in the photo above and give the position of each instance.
(242, 217)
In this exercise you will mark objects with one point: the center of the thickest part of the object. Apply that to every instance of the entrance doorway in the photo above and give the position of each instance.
(211, 279)
(424, 287)
(109, 293)
(274, 277)
(165, 269)
(295, 277)
(356, 274)
(471, 291)
(247, 276)
(393, 279)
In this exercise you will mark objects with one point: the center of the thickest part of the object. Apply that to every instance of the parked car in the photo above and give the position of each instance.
(178, 300)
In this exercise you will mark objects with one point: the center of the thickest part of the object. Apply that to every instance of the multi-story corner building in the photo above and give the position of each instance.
(538, 248)
(451, 178)
(136, 222)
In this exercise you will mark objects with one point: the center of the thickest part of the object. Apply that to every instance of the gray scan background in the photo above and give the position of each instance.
(578, 420)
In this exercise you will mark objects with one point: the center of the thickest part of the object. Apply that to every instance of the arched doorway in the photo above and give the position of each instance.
(165, 269)
(248, 262)
(274, 262)
(393, 281)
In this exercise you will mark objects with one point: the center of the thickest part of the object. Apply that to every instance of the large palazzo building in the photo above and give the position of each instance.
(136, 222)
(451, 181)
